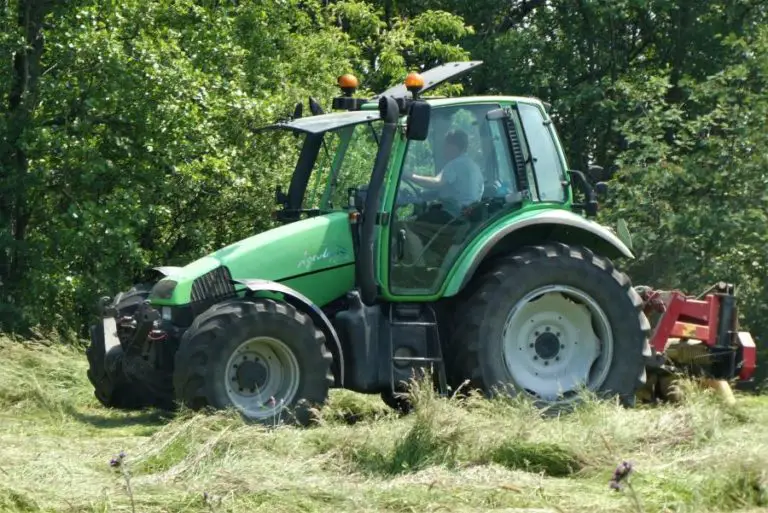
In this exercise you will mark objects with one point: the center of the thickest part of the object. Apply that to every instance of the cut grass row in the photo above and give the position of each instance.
(470, 456)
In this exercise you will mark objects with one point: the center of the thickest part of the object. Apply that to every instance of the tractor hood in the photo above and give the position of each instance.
(314, 256)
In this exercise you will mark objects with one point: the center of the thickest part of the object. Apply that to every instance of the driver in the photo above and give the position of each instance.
(459, 184)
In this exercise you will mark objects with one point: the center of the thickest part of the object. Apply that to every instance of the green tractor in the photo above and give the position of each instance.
(417, 232)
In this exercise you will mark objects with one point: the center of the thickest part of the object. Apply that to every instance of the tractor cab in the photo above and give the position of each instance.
(449, 170)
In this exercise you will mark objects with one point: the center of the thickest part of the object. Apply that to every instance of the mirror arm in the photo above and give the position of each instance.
(578, 179)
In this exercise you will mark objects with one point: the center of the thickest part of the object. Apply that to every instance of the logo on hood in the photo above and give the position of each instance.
(327, 255)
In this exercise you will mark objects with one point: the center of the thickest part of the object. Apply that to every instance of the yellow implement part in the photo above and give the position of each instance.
(723, 389)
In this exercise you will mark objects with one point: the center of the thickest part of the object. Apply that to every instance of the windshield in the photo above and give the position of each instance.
(345, 160)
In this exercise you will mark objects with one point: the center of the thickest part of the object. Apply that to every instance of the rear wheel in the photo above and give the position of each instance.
(262, 357)
(549, 321)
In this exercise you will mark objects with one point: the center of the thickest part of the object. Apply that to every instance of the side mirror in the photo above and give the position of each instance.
(596, 172)
(418, 121)
(580, 182)
(601, 189)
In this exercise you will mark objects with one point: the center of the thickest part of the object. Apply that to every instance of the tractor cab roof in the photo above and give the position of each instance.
(361, 110)
(369, 112)
(324, 122)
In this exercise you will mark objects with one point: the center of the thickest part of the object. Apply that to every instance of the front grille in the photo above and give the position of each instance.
(213, 286)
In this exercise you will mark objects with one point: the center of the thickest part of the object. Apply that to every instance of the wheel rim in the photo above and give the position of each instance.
(557, 340)
(262, 377)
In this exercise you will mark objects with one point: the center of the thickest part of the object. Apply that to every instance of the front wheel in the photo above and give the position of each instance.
(549, 321)
(262, 357)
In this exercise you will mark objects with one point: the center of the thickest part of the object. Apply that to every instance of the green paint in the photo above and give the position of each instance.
(281, 254)
(456, 275)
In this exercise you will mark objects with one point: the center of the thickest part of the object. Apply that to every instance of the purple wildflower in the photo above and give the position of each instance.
(118, 460)
(620, 474)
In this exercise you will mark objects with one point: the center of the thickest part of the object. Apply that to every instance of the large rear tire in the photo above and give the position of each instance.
(548, 321)
(112, 387)
(262, 357)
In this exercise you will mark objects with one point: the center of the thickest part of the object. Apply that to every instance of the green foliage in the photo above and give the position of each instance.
(698, 171)
(125, 127)
(135, 143)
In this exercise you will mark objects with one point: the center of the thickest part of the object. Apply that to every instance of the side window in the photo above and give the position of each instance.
(546, 160)
(451, 186)
(504, 180)
(420, 158)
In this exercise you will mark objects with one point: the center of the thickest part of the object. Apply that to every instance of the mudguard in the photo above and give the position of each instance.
(578, 225)
(298, 300)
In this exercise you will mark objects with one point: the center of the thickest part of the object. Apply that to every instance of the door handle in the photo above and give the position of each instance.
(401, 244)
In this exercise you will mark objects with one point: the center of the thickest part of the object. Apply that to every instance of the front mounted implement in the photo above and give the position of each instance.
(698, 336)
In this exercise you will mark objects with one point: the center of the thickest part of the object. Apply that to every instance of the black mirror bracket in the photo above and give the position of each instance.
(590, 206)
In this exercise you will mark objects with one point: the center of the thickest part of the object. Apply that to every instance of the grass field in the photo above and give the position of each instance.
(56, 443)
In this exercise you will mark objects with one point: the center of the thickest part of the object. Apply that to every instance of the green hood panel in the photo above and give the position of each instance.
(315, 256)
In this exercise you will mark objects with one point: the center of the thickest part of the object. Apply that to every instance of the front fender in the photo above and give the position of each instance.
(304, 304)
(537, 227)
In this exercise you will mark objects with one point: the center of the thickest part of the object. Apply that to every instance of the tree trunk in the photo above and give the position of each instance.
(15, 204)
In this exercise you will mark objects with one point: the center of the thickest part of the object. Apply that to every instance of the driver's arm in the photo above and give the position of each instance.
(429, 182)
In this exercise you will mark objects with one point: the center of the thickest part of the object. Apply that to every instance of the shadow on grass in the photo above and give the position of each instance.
(109, 420)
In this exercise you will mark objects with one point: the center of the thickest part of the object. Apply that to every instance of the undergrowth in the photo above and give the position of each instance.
(467, 455)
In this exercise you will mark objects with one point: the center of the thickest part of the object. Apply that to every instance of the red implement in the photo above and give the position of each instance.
(711, 320)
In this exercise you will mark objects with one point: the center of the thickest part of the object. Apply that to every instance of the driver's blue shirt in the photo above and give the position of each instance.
(462, 184)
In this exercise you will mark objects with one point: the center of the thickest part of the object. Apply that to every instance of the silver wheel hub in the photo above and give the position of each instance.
(262, 377)
(553, 339)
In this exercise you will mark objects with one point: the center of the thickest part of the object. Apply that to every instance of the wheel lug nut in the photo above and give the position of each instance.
(557, 334)
(546, 363)
(530, 345)
(535, 357)
(557, 358)
(535, 333)
(547, 328)
(562, 346)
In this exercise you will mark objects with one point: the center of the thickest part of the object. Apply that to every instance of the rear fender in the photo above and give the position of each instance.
(304, 304)
(537, 228)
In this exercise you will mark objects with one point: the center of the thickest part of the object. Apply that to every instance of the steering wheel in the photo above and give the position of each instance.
(406, 197)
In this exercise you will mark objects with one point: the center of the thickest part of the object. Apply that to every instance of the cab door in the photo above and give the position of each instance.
(426, 228)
